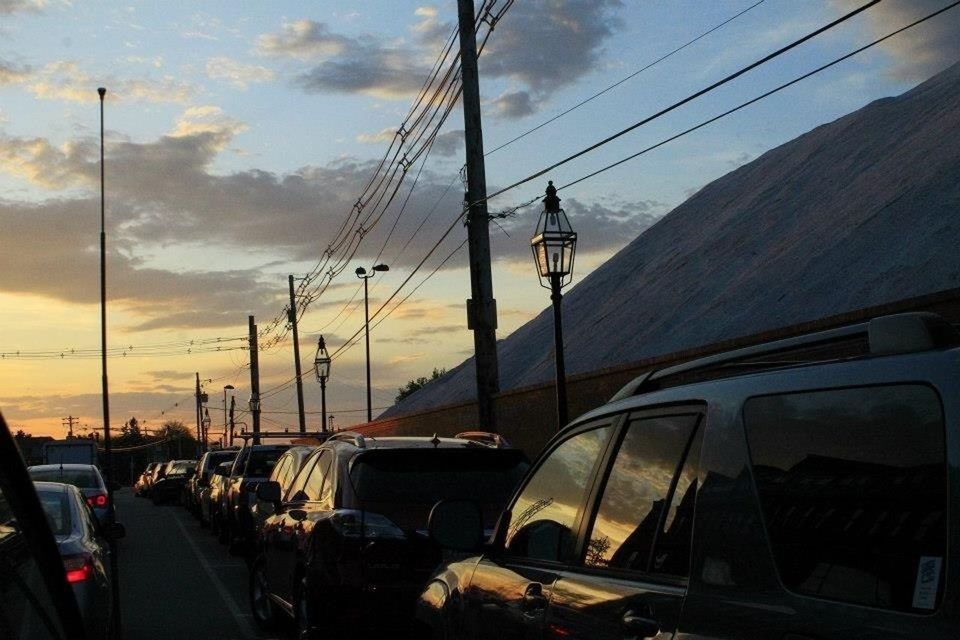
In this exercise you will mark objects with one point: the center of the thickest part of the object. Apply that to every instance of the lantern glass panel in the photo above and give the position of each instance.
(323, 367)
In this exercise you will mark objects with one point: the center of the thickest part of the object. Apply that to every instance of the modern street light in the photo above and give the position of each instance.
(363, 275)
(321, 364)
(554, 246)
(228, 387)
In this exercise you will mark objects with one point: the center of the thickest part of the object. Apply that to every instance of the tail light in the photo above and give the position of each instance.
(99, 500)
(79, 568)
(353, 523)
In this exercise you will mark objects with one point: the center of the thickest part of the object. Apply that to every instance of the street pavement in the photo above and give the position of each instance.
(176, 581)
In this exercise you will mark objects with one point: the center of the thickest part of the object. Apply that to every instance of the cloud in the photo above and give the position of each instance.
(569, 36)
(384, 135)
(449, 144)
(12, 74)
(922, 51)
(237, 74)
(65, 80)
(515, 104)
(9, 7)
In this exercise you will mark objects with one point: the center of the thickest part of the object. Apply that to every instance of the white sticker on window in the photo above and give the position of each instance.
(928, 582)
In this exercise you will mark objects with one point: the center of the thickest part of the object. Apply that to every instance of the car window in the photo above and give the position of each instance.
(281, 472)
(57, 509)
(853, 488)
(314, 484)
(544, 515)
(295, 493)
(632, 505)
(262, 462)
(82, 478)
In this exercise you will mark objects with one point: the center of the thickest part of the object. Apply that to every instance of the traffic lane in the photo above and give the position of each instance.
(176, 581)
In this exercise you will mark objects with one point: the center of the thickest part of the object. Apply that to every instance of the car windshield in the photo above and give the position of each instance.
(81, 478)
(262, 462)
(405, 483)
(181, 468)
(57, 508)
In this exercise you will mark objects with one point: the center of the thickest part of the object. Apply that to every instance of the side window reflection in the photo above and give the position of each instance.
(635, 496)
(543, 517)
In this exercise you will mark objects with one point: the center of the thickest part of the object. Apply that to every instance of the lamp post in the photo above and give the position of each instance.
(228, 387)
(363, 275)
(554, 245)
(321, 364)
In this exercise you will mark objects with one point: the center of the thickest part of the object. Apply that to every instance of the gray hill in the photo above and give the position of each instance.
(858, 212)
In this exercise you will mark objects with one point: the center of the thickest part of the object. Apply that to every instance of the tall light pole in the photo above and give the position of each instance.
(229, 387)
(321, 364)
(363, 275)
(554, 246)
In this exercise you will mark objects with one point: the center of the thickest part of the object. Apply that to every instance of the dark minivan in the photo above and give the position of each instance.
(794, 490)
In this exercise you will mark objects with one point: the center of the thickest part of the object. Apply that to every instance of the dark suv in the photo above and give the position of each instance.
(799, 489)
(348, 542)
(254, 464)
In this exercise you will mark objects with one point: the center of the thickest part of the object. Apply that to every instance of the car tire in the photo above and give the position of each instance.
(261, 606)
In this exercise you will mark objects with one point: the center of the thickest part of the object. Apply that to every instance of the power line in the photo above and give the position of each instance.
(766, 94)
(689, 98)
(624, 79)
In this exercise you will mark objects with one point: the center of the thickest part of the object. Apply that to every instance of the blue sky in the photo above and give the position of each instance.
(238, 139)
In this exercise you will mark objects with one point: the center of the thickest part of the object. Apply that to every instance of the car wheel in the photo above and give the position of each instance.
(262, 607)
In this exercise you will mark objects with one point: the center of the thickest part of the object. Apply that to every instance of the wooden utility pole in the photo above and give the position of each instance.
(292, 316)
(254, 381)
(199, 416)
(69, 422)
(482, 307)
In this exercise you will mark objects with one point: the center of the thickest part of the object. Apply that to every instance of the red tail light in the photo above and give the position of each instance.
(79, 568)
(99, 500)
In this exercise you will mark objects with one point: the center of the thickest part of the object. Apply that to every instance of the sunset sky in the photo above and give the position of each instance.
(239, 136)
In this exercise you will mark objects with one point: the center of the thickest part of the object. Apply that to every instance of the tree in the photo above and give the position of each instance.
(21, 434)
(418, 383)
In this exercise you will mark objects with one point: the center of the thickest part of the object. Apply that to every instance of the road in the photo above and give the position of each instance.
(176, 581)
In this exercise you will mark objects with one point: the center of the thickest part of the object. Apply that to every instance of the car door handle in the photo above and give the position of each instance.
(638, 626)
(533, 599)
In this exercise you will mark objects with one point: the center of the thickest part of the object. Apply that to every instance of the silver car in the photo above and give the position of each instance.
(84, 548)
(85, 477)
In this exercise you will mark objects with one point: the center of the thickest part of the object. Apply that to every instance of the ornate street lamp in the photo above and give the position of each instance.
(321, 364)
(362, 274)
(554, 246)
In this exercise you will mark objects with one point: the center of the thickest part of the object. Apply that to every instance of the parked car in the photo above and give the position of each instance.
(38, 603)
(85, 477)
(254, 464)
(805, 488)
(170, 486)
(211, 497)
(201, 478)
(140, 486)
(158, 473)
(286, 469)
(84, 548)
(347, 546)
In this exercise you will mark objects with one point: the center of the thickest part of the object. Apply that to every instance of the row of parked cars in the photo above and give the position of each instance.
(800, 489)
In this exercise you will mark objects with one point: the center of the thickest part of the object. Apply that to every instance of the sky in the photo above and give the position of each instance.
(238, 139)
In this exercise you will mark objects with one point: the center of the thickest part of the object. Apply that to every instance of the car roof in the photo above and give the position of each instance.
(367, 443)
(72, 466)
(43, 485)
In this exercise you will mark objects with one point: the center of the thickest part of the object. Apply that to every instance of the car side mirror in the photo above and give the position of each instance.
(116, 531)
(269, 491)
(456, 525)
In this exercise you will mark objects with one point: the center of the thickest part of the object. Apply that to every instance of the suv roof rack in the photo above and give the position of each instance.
(486, 438)
(881, 336)
(353, 437)
(246, 435)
